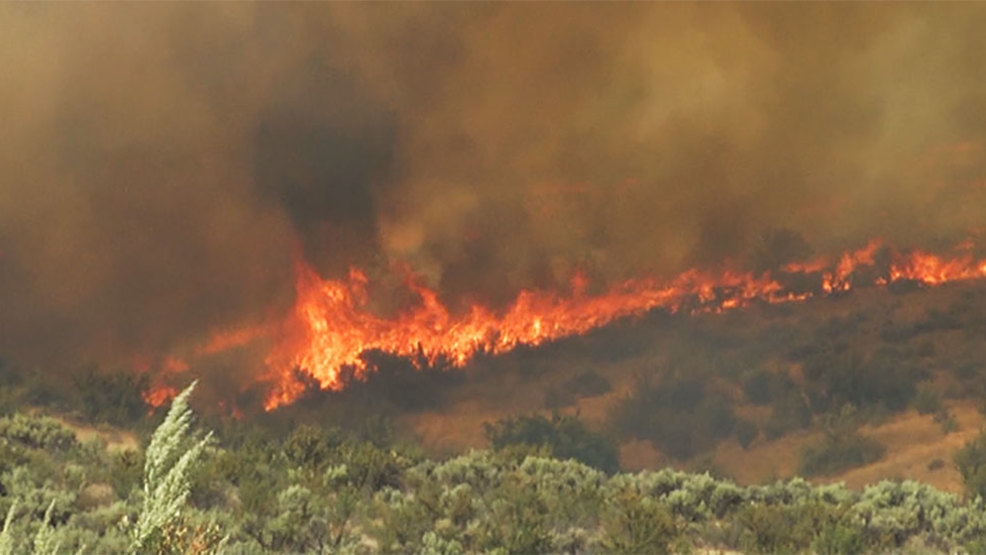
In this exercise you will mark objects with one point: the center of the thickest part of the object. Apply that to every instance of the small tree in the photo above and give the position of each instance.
(565, 436)
(971, 462)
(842, 448)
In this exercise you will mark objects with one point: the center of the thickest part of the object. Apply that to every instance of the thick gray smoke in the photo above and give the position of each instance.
(161, 164)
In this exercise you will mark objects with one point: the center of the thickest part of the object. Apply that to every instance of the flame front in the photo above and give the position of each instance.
(331, 327)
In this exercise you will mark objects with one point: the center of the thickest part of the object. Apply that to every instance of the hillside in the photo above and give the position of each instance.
(933, 335)
(671, 432)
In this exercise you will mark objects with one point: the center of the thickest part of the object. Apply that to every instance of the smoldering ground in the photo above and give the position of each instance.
(162, 164)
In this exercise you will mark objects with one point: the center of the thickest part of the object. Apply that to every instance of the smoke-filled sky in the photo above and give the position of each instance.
(161, 164)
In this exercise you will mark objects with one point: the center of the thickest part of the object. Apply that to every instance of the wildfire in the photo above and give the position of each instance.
(159, 395)
(932, 270)
(331, 327)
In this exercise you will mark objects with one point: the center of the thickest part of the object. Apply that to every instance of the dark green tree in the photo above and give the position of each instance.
(971, 462)
(566, 437)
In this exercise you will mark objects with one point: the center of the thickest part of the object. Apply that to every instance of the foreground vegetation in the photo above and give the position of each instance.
(320, 490)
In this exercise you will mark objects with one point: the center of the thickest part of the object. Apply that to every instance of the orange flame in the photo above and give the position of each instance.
(159, 395)
(330, 327)
(933, 270)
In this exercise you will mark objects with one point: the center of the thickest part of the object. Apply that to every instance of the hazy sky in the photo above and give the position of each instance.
(160, 164)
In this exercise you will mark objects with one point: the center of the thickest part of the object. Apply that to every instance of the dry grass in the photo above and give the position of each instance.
(116, 439)
(913, 441)
(455, 428)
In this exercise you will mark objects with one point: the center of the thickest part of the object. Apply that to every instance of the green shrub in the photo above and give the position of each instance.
(927, 400)
(519, 519)
(789, 412)
(680, 417)
(976, 546)
(842, 448)
(633, 522)
(947, 422)
(838, 375)
(566, 437)
(111, 397)
(37, 432)
(971, 462)
(839, 539)
(358, 497)
(837, 454)
(311, 446)
(768, 529)
(370, 467)
(125, 470)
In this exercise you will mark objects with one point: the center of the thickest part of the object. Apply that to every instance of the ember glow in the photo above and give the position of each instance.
(159, 395)
(330, 326)
(933, 270)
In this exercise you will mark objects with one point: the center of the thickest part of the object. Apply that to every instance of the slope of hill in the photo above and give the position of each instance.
(873, 348)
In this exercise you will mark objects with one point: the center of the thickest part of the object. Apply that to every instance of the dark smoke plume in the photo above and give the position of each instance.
(161, 164)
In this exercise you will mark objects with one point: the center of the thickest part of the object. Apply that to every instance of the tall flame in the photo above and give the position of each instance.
(331, 327)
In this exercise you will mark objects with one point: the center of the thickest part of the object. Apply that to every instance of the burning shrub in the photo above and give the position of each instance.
(393, 385)
(407, 384)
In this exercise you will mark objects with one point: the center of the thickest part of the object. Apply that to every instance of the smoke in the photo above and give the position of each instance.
(162, 164)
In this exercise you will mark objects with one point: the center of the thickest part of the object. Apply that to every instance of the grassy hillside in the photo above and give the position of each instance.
(881, 351)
